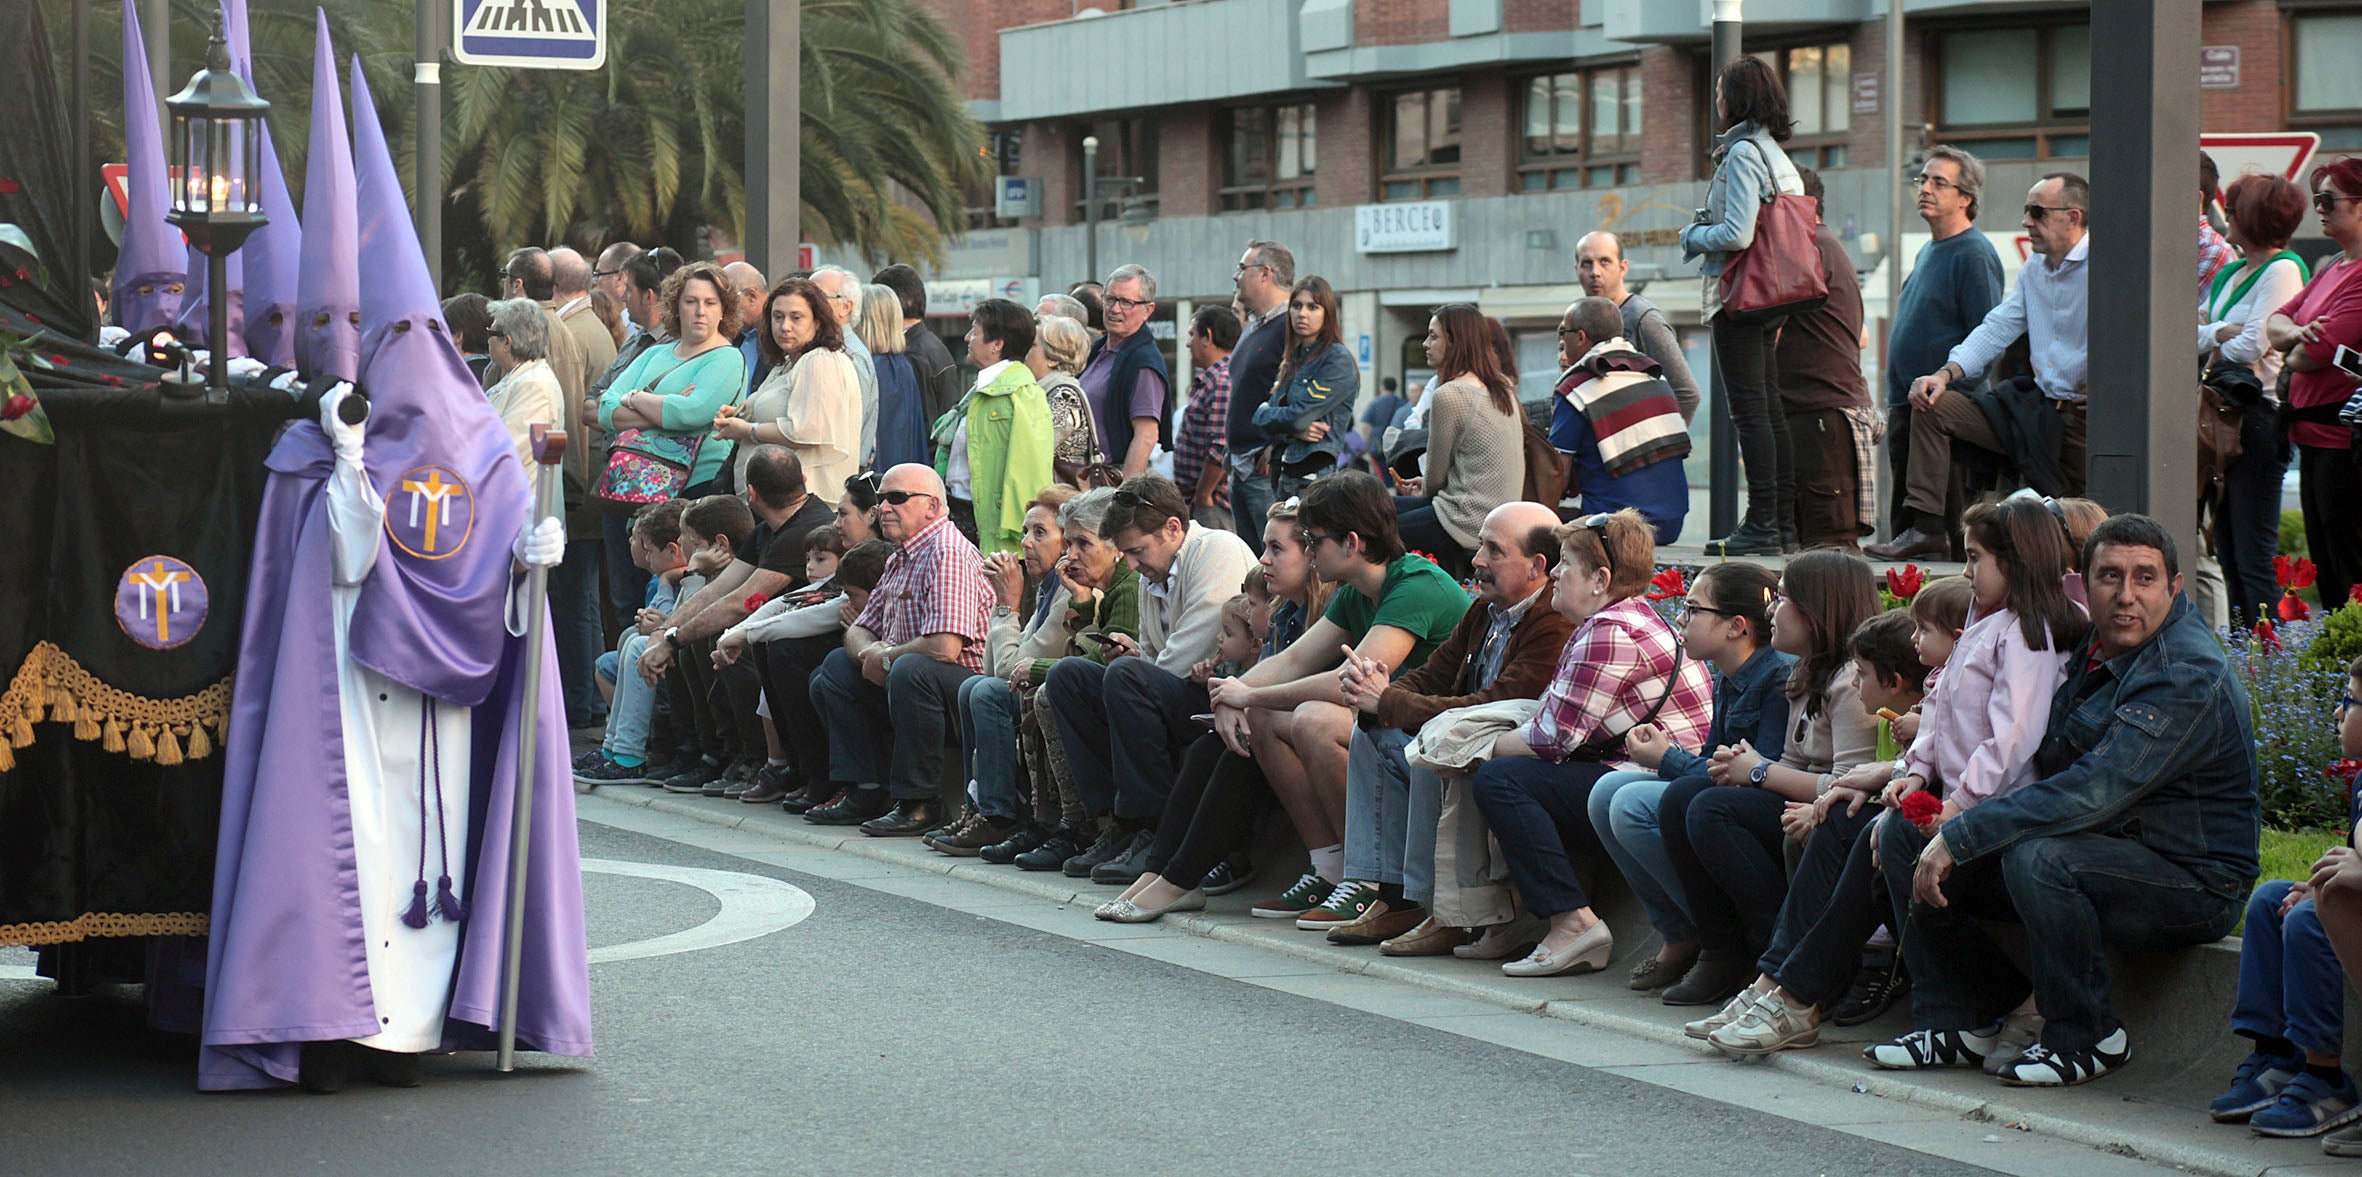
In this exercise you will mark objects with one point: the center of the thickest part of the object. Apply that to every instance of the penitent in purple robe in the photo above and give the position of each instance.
(287, 961)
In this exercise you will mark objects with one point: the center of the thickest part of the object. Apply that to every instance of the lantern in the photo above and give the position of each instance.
(217, 189)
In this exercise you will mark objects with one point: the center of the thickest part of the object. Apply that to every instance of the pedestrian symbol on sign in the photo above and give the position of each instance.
(531, 34)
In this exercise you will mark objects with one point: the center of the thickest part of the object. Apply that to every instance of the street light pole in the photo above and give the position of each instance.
(1894, 186)
(427, 83)
(1722, 465)
(1091, 207)
(774, 121)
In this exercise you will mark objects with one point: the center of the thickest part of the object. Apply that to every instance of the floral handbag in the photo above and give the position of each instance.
(645, 466)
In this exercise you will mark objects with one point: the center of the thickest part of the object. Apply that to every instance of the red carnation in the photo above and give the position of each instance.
(2267, 637)
(2293, 574)
(1921, 808)
(1904, 582)
(2354, 593)
(756, 601)
(2293, 607)
(1668, 584)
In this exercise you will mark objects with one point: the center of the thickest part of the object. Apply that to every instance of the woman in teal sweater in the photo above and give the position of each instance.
(674, 393)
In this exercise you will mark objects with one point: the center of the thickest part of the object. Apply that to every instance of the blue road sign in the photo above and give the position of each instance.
(530, 34)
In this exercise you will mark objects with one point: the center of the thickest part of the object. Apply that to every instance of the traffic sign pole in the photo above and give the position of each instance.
(427, 180)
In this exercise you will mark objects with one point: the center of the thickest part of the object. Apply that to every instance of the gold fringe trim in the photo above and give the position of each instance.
(98, 924)
(51, 687)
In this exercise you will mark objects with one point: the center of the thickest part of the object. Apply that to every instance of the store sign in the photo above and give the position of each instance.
(1421, 227)
(957, 297)
(2218, 67)
(982, 253)
(1865, 93)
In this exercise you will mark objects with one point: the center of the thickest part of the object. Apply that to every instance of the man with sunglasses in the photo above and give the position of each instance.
(2036, 421)
(890, 697)
(1615, 416)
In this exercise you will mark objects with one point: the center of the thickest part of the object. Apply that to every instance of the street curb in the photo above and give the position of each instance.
(1848, 1075)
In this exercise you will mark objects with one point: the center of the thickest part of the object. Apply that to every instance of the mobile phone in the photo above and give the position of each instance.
(2347, 360)
(1204, 717)
(1096, 639)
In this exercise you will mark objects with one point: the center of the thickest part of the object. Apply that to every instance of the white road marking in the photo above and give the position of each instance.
(752, 906)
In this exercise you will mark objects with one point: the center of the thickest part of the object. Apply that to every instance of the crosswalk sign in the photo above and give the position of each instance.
(530, 34)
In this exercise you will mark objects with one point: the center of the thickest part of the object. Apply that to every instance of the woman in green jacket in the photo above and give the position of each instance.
(993, 448)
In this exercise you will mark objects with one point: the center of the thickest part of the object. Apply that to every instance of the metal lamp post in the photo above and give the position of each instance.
(217, 195)
(1136, 211)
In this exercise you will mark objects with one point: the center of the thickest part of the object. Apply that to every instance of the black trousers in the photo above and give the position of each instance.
(722, 703)
(1750, 369)
(2329, 487)
(785, 668)
(1835, 901)
(1212, 810)
(2247, 516)
(1724, 841)
(1821, 453)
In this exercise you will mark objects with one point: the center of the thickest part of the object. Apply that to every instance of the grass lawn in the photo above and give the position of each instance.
(2290, 854)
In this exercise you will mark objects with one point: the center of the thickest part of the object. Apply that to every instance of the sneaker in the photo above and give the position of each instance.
(1344, 905)
(2041, 1066)
(772, 784)
(1768, 1026)
(1875, 989)
(2309, 1106)
(2254, 1086)
(1379, 923)
(1731, 1011)
(597, 768)
(1922, 1049)
(1292, 903)
(2345, 1142)
(1229, 875)
(981, 832)
(734, 779)
(2018, 1031)
(693, 778)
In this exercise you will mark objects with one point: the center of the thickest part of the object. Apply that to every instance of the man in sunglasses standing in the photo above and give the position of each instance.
(891, 695)
(2038, 420)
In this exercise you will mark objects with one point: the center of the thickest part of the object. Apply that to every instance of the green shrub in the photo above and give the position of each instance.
(2292, 535)
(2336, 645)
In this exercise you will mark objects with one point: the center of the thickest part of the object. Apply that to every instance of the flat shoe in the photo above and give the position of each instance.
(1124, 911)
(1588, 953)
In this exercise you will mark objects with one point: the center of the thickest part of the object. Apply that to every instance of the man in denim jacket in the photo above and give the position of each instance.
(2139, 833)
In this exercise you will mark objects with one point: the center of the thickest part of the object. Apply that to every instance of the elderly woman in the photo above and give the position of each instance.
(993, 448)
(902, 407)
(1622, 668)
(518, 341)
(2264, 211)
(810, 401)
(2308, 329)
(671, 395)
(1061, 345)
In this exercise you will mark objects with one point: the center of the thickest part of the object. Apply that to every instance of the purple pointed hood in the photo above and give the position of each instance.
(152, 269)
(271, 257)
(430, 615)
(328, 276)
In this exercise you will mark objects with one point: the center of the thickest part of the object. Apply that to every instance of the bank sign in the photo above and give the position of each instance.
(530, 34)
(1420, 227)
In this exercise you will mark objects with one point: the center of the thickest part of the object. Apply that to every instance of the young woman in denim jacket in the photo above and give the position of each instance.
(1749, 169)
(1311, 404)
(1726, 623)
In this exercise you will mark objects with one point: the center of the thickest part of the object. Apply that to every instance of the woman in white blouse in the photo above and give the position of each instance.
(2263, 211)
(810, 399)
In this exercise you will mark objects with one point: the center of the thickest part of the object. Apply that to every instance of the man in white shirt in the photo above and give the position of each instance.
(2038, 421)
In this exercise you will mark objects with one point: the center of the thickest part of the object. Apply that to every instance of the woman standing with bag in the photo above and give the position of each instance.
(2263, 211)
(1311, 404)
(661, 410)
(1750, 173)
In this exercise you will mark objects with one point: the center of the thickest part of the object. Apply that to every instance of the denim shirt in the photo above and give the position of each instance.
(1743, 181)
(1322, 388)
(2156, 745)
(1751, 704)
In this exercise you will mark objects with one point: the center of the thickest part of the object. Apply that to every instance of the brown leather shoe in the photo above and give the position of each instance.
(1382, 922)
(1910, 545)
(1428, 939)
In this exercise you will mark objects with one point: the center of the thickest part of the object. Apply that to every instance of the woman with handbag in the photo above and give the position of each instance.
(2308, 330)
(1476, 441)
(660, 412)
(1311, 405)
(2263, 212)
(1750, 173)
(811, 400)
(1060, 348)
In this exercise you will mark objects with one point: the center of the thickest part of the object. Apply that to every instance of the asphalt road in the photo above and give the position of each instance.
(887, 1035)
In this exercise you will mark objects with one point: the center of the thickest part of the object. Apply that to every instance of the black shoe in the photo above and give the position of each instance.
(981, 832)
(813, 794)
(907, 819)
(736, 781)
(855, 807)
(1876, 987)
(1053, 852)
(1791, 540)
(1113, 840)
(1712, 982)
(1229, 875)
(1911, 544)
(1030, 836)
(1751, 539)
(1125, 869)
(696, 776)
(325, 1068)
(388, 1068)
(772, 783)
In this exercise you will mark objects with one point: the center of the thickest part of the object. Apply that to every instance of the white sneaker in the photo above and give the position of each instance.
(2018, 1031)
(1768, 1026)
(2041, 1066)
(1732, 1011)
(1922, 1049)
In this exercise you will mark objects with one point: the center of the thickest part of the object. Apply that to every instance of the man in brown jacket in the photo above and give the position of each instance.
(1505, 650)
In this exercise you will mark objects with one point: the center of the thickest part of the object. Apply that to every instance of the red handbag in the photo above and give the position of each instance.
(1779, 273)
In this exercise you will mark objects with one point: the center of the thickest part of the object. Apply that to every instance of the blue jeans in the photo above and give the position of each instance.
(574, 626)
(1539, 813)
(2290, 985)
(1383, 835)
(896, 735)
(988, 744)
(1251, 496)
(635, 701)
(627, 583)
(1624, 815)
(1423, 532)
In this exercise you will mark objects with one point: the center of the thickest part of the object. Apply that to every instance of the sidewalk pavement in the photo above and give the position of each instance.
(2157, 1117)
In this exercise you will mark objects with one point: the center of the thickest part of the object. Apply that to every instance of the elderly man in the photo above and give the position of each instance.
(1614, 415)
(844, 297)
(746, 285)
(1954, 282)
(2139, 832)
(1125, 380)
(607, 275)
(1064, 306)
(1600, 265)
(2038, 421)
(1505, 650)
(890, 698)
(939, 377)
(1124, 724)
(1265, 272)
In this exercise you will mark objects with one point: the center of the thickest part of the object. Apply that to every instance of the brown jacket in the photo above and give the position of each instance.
(1442, 682)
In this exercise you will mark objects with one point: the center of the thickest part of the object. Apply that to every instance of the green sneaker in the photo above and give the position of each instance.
(1295, 901)
(1343, 906)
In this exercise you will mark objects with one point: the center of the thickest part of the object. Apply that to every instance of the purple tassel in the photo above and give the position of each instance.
(415, 914)
(452, 909)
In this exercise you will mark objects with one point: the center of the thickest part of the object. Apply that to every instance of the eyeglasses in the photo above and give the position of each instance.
(1314, 539)
(2348, 702)
(606, 273)
(2324, 201)
(1777, 599)
(496, 335)
(1243, 267)
(899, 497)
(1597, 525)
(2038, 212)
(1688, 608)
(1940, 184)
(1132, 304)
(1563, 332)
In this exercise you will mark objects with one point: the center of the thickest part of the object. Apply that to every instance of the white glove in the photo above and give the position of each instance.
(346, 438)
(542, 545)
(289, 382)
(110, 336)
(245, 366)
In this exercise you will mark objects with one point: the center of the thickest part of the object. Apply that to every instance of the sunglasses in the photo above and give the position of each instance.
(1597, 525)
(2324, 201)
(2348, 702)
(496, 335)
(899, 497)
(2036, 212)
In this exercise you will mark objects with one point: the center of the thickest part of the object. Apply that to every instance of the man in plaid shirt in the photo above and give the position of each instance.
(1622, 668)
(888, 696)
(1202, 451)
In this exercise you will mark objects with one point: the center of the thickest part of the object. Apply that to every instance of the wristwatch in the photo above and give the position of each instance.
(672, 637)
(1757, 775)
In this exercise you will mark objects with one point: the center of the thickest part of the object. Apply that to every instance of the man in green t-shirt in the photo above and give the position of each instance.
(1290, 713)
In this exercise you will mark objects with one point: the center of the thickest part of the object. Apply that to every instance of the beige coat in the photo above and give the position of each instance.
(815, 405)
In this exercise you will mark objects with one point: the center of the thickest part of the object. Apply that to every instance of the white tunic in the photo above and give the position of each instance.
(410, 969)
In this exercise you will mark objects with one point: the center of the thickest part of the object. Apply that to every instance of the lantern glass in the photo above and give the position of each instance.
(218, 151)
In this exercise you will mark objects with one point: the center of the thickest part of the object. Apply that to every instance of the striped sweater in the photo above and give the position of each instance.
(1631, 410)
